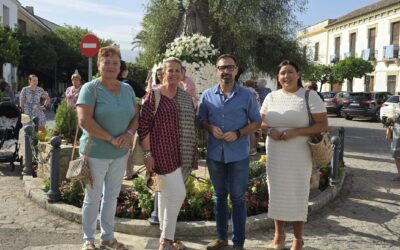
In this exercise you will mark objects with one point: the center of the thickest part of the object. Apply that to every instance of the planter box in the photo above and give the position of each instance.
(43, 170)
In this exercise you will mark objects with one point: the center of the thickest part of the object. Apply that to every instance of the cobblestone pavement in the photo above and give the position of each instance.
(365, 216)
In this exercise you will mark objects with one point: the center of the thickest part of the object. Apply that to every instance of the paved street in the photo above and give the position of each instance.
(365, 216)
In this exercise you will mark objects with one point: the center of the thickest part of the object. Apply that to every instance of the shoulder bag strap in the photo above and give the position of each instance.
(86, 152)
(310, 119)
(157, 95)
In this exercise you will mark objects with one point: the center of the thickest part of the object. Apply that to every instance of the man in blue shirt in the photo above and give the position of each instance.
(230, 114)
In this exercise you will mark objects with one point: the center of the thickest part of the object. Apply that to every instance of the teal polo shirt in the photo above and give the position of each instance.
(112, 112)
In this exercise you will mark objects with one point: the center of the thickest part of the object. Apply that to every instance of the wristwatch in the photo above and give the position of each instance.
(269, 131)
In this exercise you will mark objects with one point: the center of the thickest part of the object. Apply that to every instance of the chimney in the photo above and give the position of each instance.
(30, 9)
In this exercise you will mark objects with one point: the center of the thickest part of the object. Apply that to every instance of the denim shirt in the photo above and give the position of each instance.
(229, 114)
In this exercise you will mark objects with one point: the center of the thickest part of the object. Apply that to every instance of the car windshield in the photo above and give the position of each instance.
(328, 94)
(393, 99)
(360, 96)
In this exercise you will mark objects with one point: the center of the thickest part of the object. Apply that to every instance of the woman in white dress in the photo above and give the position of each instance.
(289, 164)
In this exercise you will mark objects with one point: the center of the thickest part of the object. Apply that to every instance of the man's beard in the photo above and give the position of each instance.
(226, 80)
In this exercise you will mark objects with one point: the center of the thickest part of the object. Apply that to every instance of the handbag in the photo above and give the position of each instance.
(78, 169)
(136, 154)
(320, 145)
(389, 133)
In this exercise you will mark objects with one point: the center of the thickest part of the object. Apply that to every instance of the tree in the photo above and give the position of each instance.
(259, 33)
(9, 47)
(55, 56)
(320, 73)
(350, 68)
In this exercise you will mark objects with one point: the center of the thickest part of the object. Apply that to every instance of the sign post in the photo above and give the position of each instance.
(89, 46)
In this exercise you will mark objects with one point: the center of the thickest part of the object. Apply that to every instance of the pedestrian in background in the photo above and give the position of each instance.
(251, 85)
(230, 114)
(29, 101)
(72, 92)
(155, 80)
(395, 147)
(168, 140)
(123, 77)
(262, 89)
(314, 86)
(289, 165)
(108, 114)
(189, 86)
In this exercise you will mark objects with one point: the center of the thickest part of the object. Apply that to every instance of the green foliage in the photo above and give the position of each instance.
(46, 185)
(259, 33)
(65, 121)
(160, 25)
(135, 202)
(257, 168)
(9, 49)
(198, 204)
(320, 73)
(350, 68)
(72, 192)
(54, 56)
(137, 73)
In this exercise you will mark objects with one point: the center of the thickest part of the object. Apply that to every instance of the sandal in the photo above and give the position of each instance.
(298, 240)
(112, 245)
(167, 245)
(179, 245)
(278, 246)
(396, 178)
(88, 245)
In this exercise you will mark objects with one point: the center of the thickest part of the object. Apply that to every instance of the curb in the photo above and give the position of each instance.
(34, 190)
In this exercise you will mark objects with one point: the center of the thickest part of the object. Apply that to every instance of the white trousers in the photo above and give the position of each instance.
(170, 199)
(107, 179)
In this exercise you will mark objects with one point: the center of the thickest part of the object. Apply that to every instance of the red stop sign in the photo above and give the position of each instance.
(90, 45)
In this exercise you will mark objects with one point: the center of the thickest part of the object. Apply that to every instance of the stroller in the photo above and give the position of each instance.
(10, 124)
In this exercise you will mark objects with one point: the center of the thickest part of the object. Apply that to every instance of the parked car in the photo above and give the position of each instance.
(334, 101)
(389, 106)
(364, 104)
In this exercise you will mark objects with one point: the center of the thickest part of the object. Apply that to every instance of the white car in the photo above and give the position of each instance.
(388, 107)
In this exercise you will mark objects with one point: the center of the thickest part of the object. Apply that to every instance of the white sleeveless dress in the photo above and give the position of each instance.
(289, 162)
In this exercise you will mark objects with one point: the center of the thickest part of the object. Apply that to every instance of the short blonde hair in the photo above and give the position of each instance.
(75, 75)
(108, 51)
(171, 59)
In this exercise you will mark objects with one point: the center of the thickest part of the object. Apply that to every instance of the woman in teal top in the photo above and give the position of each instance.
(107, 112)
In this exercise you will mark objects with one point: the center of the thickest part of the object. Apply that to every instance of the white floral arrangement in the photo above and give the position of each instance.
(197, 55)
(193, 48)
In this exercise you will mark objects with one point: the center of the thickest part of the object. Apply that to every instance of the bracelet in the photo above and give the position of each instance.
(238, 134)
(269, 131)
(110, 140)
(147, 154)
(129, 132)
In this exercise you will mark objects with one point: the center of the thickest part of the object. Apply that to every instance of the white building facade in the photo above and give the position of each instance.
(371, 33)
(9, 17)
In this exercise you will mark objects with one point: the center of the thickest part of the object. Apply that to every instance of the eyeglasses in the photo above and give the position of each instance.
(226, 67)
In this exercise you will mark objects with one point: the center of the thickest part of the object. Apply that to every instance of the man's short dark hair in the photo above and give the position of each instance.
(226, 56)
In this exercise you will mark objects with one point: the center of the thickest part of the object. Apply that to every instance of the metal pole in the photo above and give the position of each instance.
(334, 179)
(90, 69)
(36, 129)
(28, 170)
(54, 193)
(341, 135)
(154, 215)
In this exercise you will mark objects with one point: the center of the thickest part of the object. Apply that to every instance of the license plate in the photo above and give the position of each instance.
(355, 104)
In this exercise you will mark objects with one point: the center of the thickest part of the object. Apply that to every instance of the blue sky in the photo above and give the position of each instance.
(120, 20)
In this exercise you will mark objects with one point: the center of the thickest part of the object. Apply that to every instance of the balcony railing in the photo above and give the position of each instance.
(334, 59)
(391, 51)
(369, 55)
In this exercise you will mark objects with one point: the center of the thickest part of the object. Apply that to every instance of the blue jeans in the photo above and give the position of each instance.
(230, 178)
(107, 179)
